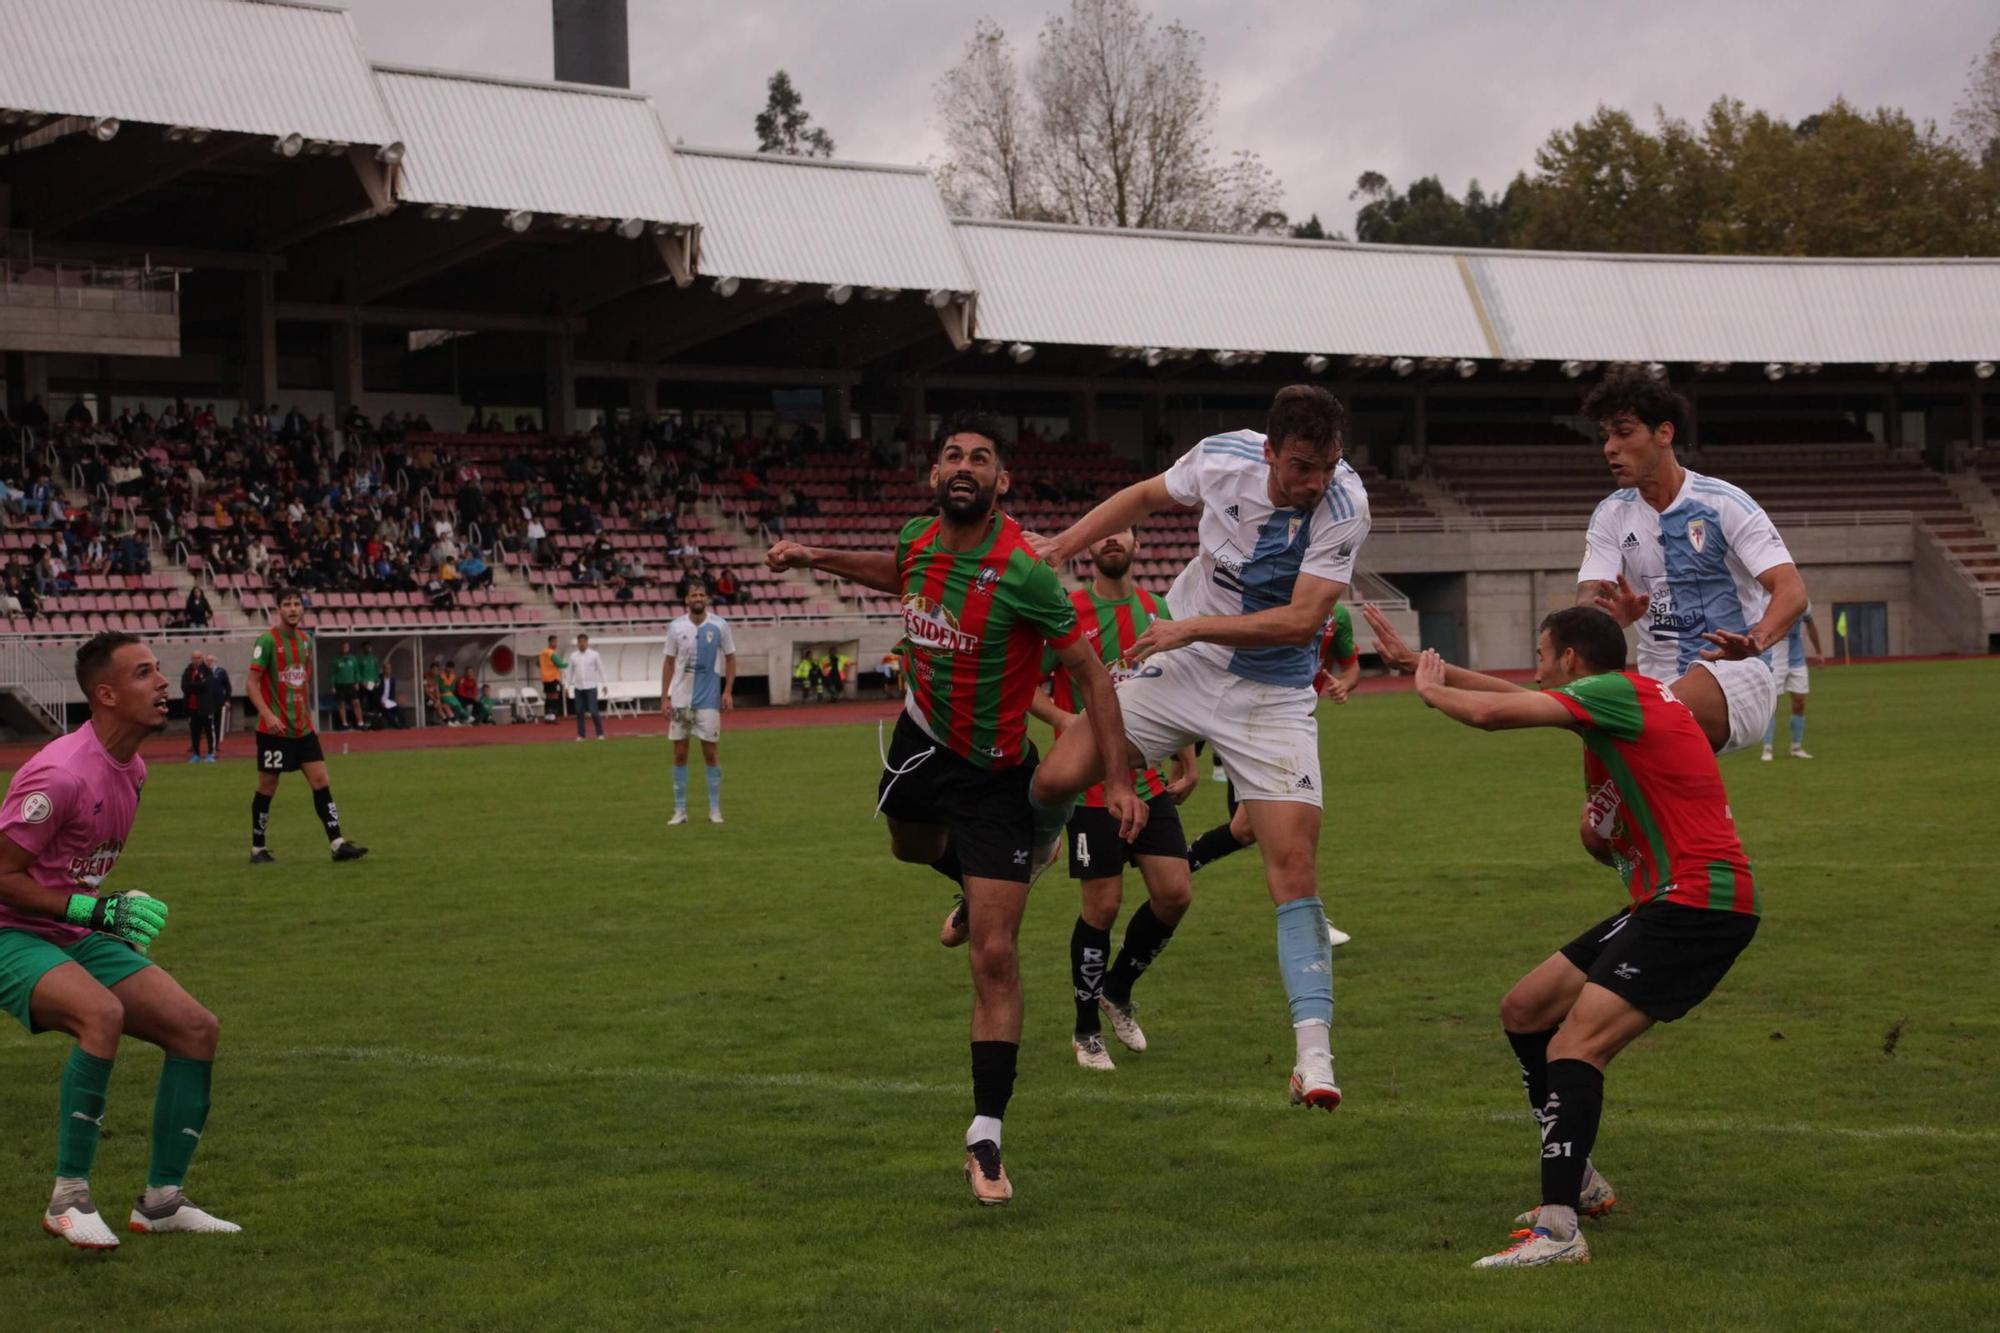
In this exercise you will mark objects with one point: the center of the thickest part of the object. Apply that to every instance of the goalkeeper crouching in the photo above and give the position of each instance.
(72, 958)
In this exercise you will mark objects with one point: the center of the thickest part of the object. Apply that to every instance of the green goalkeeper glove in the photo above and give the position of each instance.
(132, 916)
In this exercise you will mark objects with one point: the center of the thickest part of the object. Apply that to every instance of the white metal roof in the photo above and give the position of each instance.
(1615, 307)
(810, 220)
(250, 66)
(1056, 284)
(552, 148)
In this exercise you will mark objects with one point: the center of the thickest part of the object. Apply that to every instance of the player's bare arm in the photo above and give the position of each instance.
(1124, 510)
(667, 685)
(1107, 728)
(136, 919)
(1186, 776)
(870, 569)
(1045, 709)
(728, 682)
(1818, 652)
(267, 721)
(1489, 710)
(1788, 603)
(1399, 656)
(1299, 621)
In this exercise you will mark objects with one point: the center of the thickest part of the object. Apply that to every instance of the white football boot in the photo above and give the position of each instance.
(1090, 1053)
(680, 816)
(75, 1219)
(1597, 1199)
(1312, 1083)
(1124, 1022)
(1535, 1248)
(175, 1213)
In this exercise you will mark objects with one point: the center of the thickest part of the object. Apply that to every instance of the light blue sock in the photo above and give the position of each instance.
(1306, 960)
(1771, 730)
(680, 786)
(1799, 730)
(715, 786)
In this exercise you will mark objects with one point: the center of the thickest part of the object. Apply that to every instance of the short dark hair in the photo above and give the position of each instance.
(289, 595)
(93, 659)
(1595, 636)
(983, 424)
(1632, 389)
(1308, 414)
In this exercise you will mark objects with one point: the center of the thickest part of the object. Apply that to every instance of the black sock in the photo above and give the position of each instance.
(1569, 1129)
(329, 814)
(993, 1076)
(1089, 946)
(260, 818)
(1145, 937)
(948, 866)
(1212, 846)
(1531, 1051)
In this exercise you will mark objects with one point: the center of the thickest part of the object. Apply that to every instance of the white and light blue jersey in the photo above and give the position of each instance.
(698, 653)
(1252, 553)
(1789, 653)
(1698, 561)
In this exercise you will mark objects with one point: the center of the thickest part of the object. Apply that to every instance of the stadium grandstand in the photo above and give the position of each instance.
(474, 359)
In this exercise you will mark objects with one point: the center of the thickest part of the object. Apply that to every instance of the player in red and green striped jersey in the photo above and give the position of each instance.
(978, 608)
(281, 690)
(1654, 808)
(1114, 611)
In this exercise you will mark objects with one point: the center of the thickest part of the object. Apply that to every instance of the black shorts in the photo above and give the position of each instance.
(1663, 959)
(284, 754)
(346, 693)
(1097, 852)
(986, 809)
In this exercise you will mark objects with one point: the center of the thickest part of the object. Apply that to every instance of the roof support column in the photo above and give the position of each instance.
(260, 337)
(1975, 421)
(1892, 419)
(559, 383)
(1083, 416)
(345, 343)
(27, 380)
(837, 405)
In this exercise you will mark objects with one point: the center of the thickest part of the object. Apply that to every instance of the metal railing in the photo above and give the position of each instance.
(39, 686)
(1576, 522)
(90, 288)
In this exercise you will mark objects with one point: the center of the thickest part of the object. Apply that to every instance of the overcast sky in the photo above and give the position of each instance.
(1455, 88)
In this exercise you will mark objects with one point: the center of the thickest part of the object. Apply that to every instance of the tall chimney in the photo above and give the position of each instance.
(591, 43)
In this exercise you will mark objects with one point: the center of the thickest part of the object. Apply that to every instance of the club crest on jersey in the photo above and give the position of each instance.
(987, 578)
(36, 808)
(1697, 533)
(930, 624)
(1292, 528)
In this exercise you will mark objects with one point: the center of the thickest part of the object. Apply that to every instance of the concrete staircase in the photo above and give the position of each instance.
(1442, 502)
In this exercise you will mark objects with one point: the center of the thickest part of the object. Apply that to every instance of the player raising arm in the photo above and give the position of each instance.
(1655, 808)
(72, 957)
(978, 610)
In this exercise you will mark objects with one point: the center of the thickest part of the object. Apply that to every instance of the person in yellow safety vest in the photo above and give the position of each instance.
(802, 675)
(829, 671)
(552, 666)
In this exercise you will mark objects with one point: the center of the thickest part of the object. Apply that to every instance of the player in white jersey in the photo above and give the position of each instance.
(1788, 671)
(1283, 516)
(697, 685)
(1693, 559)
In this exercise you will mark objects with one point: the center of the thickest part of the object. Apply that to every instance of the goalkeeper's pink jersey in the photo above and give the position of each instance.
(72, 807)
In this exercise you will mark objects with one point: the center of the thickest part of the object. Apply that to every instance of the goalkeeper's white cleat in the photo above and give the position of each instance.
(1125, 1022)
(1597, 1199)
(75, 1219)
(175, 1213)
(1535, 1248)
(1312, 1083)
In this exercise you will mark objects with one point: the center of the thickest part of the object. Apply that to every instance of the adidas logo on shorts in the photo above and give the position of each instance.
(1304, 783)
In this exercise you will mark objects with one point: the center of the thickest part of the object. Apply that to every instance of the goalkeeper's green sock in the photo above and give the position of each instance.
(85, 1081)
(180, 1110)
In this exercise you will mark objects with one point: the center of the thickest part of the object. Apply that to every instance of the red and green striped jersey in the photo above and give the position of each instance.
(1648, 761)
(974, 626)
(1114, 626)
(281, 674)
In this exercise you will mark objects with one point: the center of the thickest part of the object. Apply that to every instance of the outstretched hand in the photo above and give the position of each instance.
(1430, 671)
(1625, 604)
(1389, 645)
(1162, 636)
(1729, 646)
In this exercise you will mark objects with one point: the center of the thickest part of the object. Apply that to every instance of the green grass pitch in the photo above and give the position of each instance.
(543, 1062)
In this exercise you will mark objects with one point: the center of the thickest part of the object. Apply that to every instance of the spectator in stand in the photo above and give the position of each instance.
(586, 682)
(474, 572)
(725, 588)
(551, 664)
(194, 693)
(221, 693)
(197, 611)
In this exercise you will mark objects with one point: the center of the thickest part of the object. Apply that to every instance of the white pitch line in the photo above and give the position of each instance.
(1097, 1092)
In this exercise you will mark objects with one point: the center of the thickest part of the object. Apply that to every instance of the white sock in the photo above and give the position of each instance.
(983, 1127)
(1558, 1221)
(336, 844)
(67, 1191)
(1313, 1037)
(156, 1195)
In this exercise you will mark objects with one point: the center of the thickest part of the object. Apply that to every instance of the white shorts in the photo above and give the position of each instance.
(1793, 681)
(1747, 689)
(705, 724)
(1265, 735)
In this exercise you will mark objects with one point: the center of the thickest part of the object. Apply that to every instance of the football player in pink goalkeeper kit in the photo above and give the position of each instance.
(72, 957)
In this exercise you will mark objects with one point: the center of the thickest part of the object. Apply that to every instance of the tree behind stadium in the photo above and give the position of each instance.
(1112, 126)
(785, 126)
